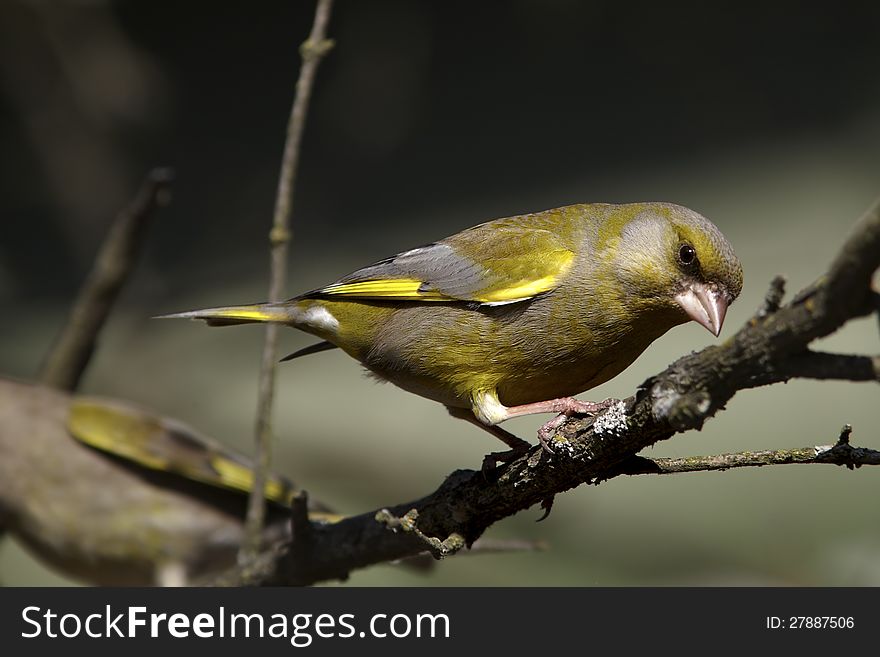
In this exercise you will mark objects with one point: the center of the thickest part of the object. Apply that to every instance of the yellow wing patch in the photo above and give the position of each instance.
(394, 288)
(240, 477)
(157, 444)
(525, 290)
(500, 288)
(529, 282)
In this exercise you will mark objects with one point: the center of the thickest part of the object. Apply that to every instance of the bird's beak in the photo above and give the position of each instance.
(705, 304)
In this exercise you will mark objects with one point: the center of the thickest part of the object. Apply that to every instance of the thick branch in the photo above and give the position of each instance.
(771, 347)
(116, 258)
(312, 50)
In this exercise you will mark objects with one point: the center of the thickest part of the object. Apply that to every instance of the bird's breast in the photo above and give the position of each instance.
(526, 352)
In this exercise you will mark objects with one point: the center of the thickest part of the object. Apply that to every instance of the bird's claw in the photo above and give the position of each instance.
(548, 430)
(547, 505)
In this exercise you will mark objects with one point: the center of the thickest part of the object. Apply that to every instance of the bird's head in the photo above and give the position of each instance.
(671, 259)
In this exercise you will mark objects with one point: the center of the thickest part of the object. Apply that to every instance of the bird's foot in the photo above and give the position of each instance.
(548, 430)
(567, 407)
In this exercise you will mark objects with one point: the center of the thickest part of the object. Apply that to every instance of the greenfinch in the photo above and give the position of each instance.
(106, 493)
(517, 315)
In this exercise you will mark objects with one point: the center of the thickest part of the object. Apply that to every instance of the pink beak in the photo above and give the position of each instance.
(705, 305)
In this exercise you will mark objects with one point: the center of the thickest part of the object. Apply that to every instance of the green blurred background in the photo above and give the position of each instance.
(428, 118)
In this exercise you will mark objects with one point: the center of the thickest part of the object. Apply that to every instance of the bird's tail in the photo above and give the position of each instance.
(285, 313)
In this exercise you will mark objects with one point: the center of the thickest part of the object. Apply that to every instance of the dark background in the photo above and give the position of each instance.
(429, 117)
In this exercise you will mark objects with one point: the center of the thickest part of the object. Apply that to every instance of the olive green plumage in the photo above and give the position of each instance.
(521, 309)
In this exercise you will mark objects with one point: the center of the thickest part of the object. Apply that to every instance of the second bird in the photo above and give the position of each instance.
(516, 315)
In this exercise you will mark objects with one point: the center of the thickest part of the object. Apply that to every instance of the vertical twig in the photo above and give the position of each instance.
(312, 50)
(73, 348)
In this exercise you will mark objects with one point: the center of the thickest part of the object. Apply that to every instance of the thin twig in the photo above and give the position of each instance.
(773, 299)
(69, 356)
(852, 457)
(842, 453)
(408, 522)
(312, 50)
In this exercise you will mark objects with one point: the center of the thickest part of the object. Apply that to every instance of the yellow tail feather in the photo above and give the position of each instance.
(229, 315)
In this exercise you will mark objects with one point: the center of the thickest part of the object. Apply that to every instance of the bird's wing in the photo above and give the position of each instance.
(161, 444)
(495, 263)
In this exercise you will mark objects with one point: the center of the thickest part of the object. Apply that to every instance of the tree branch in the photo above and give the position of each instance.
(312, 50)
(821, 365)
(842, 453)
(69, 356)
(771, 347)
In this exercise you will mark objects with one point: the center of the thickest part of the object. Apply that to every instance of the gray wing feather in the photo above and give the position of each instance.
(438, 265)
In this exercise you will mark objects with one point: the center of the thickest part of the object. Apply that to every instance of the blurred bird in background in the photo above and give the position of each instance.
(109, 494)
(514, 316)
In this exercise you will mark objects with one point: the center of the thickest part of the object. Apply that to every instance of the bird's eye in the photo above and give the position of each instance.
(686, 254)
